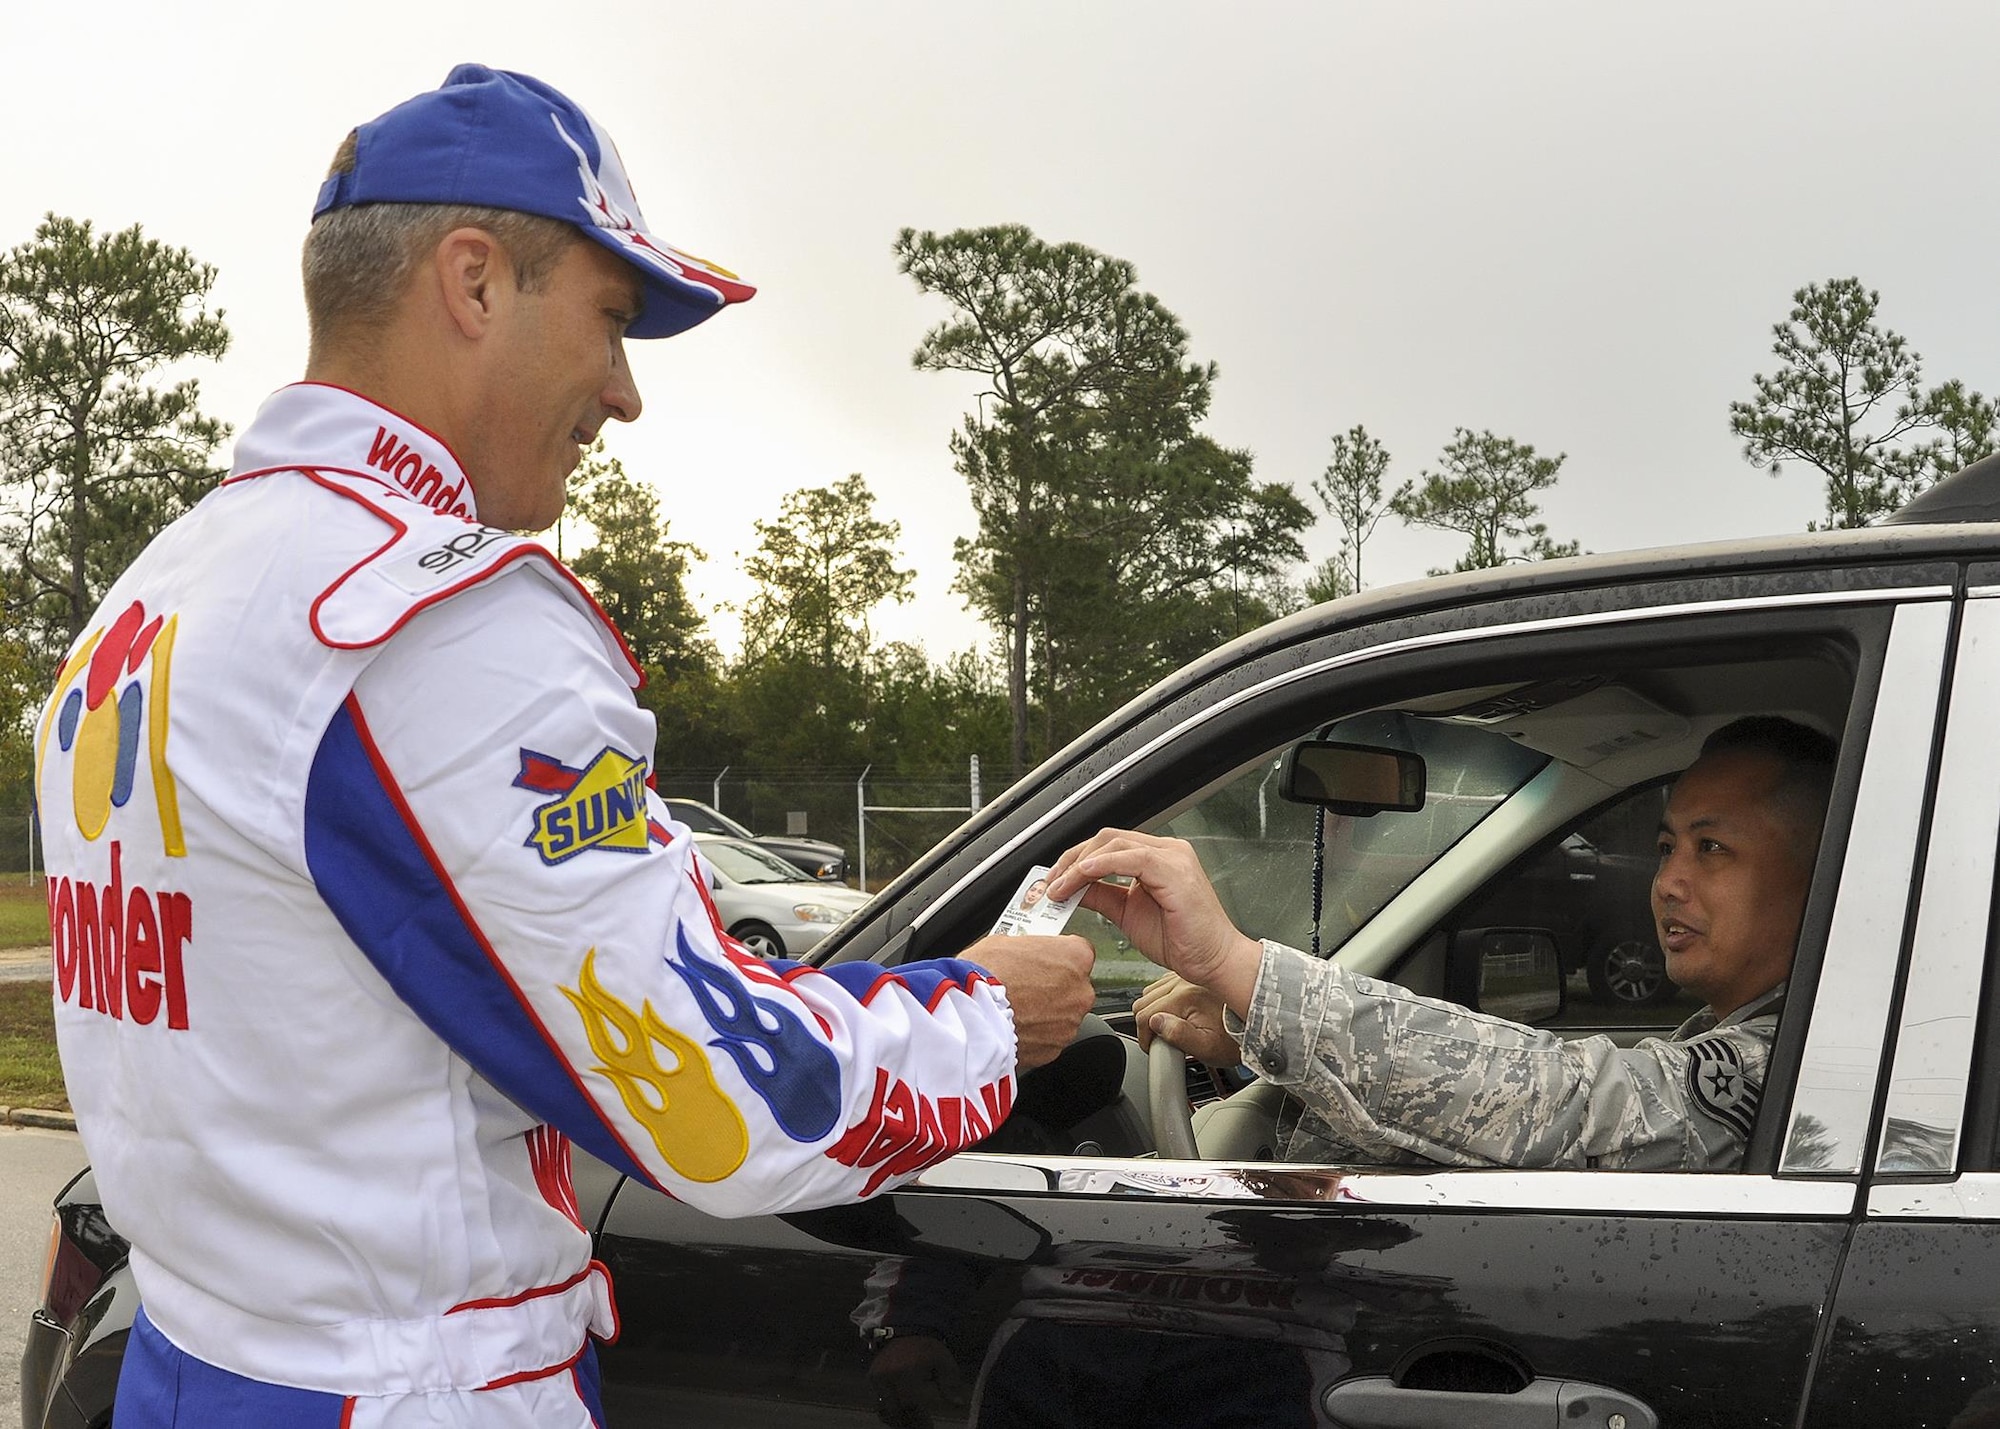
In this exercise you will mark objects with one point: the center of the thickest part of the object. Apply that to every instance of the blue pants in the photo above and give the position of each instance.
(162, 1387)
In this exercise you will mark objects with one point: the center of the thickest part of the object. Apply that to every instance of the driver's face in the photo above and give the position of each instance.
(1730, 891)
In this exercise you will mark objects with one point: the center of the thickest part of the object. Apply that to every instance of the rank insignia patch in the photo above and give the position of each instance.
(1719, 1086)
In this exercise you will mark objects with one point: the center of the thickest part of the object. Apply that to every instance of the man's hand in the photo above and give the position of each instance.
(1187, 1017)
(1169, 910)
(1048, 986)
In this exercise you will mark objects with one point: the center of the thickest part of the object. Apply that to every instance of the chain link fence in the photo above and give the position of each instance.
(905, 814)
(20, 840)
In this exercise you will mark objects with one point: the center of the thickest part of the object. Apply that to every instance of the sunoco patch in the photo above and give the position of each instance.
(602, 805)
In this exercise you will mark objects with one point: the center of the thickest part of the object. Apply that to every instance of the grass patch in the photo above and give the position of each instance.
(24, 912)
(30, 1075)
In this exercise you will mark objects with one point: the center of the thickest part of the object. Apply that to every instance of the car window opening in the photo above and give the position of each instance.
(1534, 839)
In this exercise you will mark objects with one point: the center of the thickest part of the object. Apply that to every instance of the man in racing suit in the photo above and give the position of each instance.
(1379, 1074)
(363, 905)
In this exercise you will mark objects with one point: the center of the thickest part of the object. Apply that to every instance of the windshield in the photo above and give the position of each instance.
(1257, 847)
(745, 863)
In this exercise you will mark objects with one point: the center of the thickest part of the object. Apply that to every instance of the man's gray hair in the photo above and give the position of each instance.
(358, 260)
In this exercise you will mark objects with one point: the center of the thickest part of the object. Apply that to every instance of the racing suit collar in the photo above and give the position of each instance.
(314, 424)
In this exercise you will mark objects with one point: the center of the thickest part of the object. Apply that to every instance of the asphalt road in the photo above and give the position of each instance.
(34, 1165)
(24, 964)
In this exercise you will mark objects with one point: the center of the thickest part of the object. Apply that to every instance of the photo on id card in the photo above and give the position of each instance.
(1031, 910)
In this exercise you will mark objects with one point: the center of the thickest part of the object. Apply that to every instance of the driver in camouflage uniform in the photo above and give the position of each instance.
(1379, 1074)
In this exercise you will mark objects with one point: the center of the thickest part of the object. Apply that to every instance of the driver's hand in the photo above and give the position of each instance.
(1168, 909)
(1188, 1018)
(912, 1375)
(1048, 987)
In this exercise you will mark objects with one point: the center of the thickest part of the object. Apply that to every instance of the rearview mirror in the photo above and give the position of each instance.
(1359, 779)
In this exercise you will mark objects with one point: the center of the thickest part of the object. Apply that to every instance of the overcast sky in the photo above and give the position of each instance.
(1572, 223)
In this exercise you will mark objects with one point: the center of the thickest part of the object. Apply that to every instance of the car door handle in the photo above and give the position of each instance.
(1379, 1403)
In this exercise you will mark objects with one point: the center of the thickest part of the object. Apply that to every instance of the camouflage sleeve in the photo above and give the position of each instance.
(1385, 1075)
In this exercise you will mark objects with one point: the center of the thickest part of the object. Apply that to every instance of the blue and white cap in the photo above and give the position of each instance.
(502, 140)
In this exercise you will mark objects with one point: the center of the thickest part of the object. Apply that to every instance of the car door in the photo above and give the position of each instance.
(1914, 1334)
(1024, 1287)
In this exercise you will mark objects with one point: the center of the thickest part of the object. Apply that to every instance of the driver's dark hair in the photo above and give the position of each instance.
(1806, 760)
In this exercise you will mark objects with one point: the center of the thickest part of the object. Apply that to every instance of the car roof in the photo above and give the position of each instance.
(1930, 530)
(1969, 495)
(1916, 539)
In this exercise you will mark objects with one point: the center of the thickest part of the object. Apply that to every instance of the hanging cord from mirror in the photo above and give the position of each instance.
(1319, 873)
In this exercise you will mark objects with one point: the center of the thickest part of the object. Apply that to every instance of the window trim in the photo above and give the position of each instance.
(1581, 1191)
(1930, 1075)
(1975, 1196)
(1898, 616)
(1841, 1065)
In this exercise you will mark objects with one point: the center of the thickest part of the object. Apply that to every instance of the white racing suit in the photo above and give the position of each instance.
(364, 910)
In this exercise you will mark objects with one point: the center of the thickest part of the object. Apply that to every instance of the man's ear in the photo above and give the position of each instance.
(475, 279)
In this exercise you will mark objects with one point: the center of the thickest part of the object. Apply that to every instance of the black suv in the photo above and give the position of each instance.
(1064, 1274)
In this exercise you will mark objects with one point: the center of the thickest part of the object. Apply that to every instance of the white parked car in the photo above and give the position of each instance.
(767, 904)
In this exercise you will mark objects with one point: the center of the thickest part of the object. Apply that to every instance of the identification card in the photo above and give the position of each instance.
(1031, 910)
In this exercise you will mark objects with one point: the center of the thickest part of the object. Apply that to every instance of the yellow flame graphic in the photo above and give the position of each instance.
(695, 1125)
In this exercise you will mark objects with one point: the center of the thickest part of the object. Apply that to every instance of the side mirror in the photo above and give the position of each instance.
(1515, 973)
(1359, 779)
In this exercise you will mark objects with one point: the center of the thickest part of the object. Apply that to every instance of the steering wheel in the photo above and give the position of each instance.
(1167, 1102)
